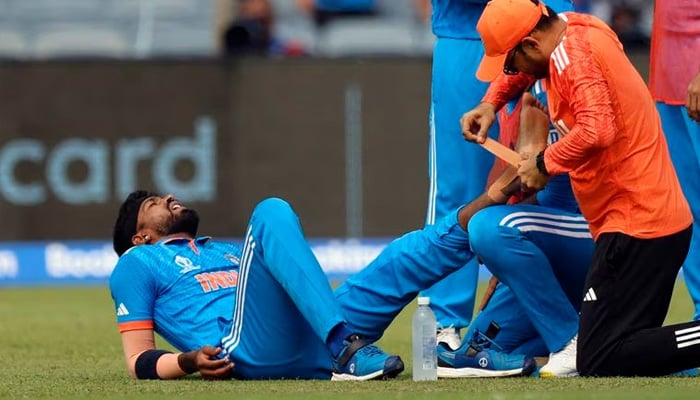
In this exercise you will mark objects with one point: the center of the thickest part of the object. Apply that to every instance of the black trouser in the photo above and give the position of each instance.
(627, 294)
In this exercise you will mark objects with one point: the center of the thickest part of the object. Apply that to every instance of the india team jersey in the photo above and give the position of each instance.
(183, 289)
(457, 19)
(675, 49)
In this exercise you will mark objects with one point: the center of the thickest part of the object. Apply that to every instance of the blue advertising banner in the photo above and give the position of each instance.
(91, 262)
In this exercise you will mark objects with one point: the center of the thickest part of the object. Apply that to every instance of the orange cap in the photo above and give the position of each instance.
(502, 25)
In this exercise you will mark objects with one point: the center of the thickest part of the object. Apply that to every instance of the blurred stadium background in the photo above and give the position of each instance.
(222, 102)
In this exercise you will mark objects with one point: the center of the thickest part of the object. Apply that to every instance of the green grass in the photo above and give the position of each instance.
(63, 344)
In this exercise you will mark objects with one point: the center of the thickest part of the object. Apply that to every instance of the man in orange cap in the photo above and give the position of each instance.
(615, 153)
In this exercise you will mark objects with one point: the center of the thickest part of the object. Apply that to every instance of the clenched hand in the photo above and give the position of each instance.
(530, 177)
(204, 360)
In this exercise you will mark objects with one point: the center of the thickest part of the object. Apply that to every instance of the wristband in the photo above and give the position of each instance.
(540, 163)
(146, 363)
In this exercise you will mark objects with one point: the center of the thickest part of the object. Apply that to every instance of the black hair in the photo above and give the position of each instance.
(125, 225)
(545, 20)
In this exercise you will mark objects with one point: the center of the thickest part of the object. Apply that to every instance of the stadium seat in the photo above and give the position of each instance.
(50, 10)
(422, 35)
(13, 45)
(77, 41)
(297, 30)
(179, 8)
(370, 36)
(404, 10)
(108, 28)
(423, 39)
(286, 9)
(161, 8)
(123, 9)
(171, 39)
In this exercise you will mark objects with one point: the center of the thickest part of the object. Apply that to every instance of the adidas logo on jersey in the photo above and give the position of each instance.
(590, 295)
(121, 310)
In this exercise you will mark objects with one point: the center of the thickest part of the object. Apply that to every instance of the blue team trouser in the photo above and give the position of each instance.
(542, 254)
(284, 307)
(458, 170)
(517, 334)
(683, 138)
(371, 298)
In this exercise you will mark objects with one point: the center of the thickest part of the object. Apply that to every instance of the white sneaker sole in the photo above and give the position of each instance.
(443, 372)
(348, 377)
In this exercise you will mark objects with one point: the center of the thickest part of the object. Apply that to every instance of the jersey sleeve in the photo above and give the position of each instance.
(505, 87)
(133, 288)
(582, 81)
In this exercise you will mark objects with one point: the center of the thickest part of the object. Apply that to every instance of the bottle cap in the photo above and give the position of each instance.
(423, 301)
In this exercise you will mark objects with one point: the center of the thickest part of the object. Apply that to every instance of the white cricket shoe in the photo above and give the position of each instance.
(449, 336)
(561, 364)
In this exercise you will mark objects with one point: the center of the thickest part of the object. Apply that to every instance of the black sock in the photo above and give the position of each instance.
(336, 338)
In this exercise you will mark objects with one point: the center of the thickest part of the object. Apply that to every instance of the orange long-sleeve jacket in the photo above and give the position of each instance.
(612, 143)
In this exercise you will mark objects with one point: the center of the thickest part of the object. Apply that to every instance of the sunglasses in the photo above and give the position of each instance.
(508, 67)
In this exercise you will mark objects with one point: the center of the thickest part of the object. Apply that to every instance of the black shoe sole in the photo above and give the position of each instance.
(393, 370)
(529, 366)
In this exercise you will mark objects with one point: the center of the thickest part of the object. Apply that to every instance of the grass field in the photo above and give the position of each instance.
(62, 343)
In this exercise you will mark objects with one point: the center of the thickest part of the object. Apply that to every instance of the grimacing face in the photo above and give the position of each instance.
(163, 216)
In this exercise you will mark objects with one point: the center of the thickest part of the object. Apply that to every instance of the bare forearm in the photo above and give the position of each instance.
(468, 211)
(169, 368)
(145, 361)
(499, 192)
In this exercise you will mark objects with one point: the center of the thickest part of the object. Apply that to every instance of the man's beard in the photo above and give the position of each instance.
(187, 222)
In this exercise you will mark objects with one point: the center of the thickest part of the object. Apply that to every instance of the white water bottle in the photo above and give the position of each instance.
(424, 342)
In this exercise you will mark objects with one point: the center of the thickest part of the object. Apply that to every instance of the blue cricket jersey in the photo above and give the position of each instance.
(183, 289)
(557, 193)
(457, 19)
